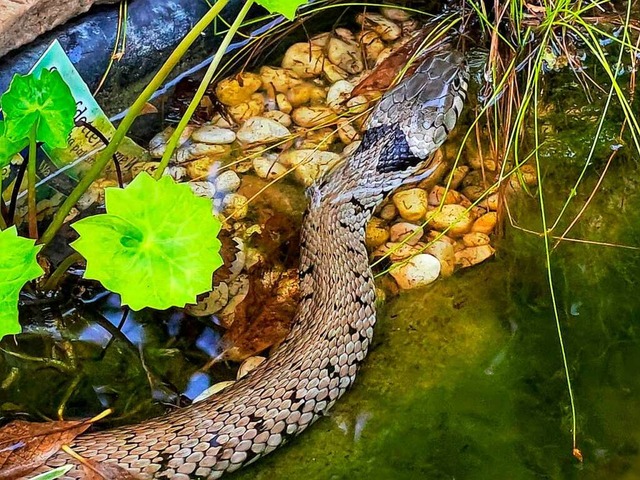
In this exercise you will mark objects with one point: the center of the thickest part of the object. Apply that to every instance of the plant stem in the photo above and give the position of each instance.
(204, 84)
(4, 212)
(105, 155)
(53, 282)
(31, 183)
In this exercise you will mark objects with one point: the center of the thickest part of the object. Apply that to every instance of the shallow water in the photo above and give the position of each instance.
(466, 377)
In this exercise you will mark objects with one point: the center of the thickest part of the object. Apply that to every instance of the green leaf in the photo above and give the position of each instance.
(9, 148)
(46, 102)
(156, 245)
(18, 265)
(53, 474)
(285, 7)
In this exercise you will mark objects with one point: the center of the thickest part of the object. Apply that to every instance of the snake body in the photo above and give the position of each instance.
(333, 328)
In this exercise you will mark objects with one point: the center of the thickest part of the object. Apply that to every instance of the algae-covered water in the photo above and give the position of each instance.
(466, 380)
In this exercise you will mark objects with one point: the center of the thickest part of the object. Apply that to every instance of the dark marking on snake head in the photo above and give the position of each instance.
(307, 271)
(396, 155)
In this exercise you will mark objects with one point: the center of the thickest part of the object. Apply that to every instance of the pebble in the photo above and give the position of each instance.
(418, 271)
(385, 28)
(445, 253)
(376, 233)
(339, 93)
(203, 189)
(455, 219)
(282, 118)
(346, 54)
(249, 365)
(457, 175)
(313, 116)
(214, 135)
(440, 195)
(473, 255)
(236, 205)
(405, 232)
(486, 223)
(475, 239)
(305, 59)
(372, 43)
(279, 79)
(244, 111)
(258, 130)
(238, 89)
(388, 212)
(268, 168)
(412, 204)
(227, 182)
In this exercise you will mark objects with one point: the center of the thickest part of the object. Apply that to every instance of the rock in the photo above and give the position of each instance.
(346, 132)
(475, 239)
(338, 94)
(345, 53)
(238, 89)
(308, 164)
(235, 205)
(321, 39)
(280, 80)
(529, 175)
(252, 108)
(473, 255)
(249, 365)
(491, 202)
(445, 253)
(25, 20)
(305, 93)
(405, 232)
(396, 14)
(398, 251)
(441, 196)
(376, 233)
(349, 149)
(333, 73)
(258, 130)
(227, 182)
(486, 223)
(280, 117)
(203, 168)
(158, 144)
(309, 117)
(410, 26)
(317, 138)
(385, 28)
(388, 212)
(473, 192)
(283, 104)
(191, 151)
(203, 189)
(372, 44)
(268, 168)
(458, 175)
(358, 104)
(455, 219)
(418, 271)
(213, 135)
(411, 204)
(305, 59)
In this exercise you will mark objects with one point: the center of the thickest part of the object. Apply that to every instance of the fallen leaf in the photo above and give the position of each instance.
(25, 446)
(264, 318)
(148, 108)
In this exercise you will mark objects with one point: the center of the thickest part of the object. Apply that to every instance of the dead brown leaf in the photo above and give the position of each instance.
(25, 446)
(264, 318)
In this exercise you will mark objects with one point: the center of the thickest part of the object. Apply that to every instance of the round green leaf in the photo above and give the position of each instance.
(46, 102)
(9, 148)
(156, 246)
(18, 265)
(285, 7)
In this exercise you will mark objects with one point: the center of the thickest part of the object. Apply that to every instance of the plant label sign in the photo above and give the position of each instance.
(83, 143)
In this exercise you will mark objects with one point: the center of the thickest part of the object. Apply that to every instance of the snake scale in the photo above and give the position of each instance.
(333, 328)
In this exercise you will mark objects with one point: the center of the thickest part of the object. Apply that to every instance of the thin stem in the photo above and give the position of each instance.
(31, 183)
(53, 282)
(105, 155)
(16, 191)
(204, 84)
(4, 212)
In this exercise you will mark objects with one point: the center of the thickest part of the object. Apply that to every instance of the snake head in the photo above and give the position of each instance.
(419, 113)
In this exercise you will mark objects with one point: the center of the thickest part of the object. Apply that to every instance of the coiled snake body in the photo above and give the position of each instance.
(333, 328)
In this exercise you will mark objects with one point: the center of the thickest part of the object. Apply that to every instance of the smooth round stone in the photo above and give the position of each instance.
(261, 130)
(405, 231)
(420, 270)
(227, 181)
(213, 135)
(412, 204)
(455, 219)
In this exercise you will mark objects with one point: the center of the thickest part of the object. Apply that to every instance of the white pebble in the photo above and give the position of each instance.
(214, 135)
(420, 270)
(227, 181)
(262, 130)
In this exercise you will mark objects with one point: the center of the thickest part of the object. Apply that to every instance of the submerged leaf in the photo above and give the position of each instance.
(45, 101)
(156, 245)
(18, 265)
(25, 446)
(285, 7)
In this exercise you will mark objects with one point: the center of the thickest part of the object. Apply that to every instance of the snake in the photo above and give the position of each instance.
(333, 326)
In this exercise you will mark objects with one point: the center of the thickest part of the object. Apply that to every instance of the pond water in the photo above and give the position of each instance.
(465, 379)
